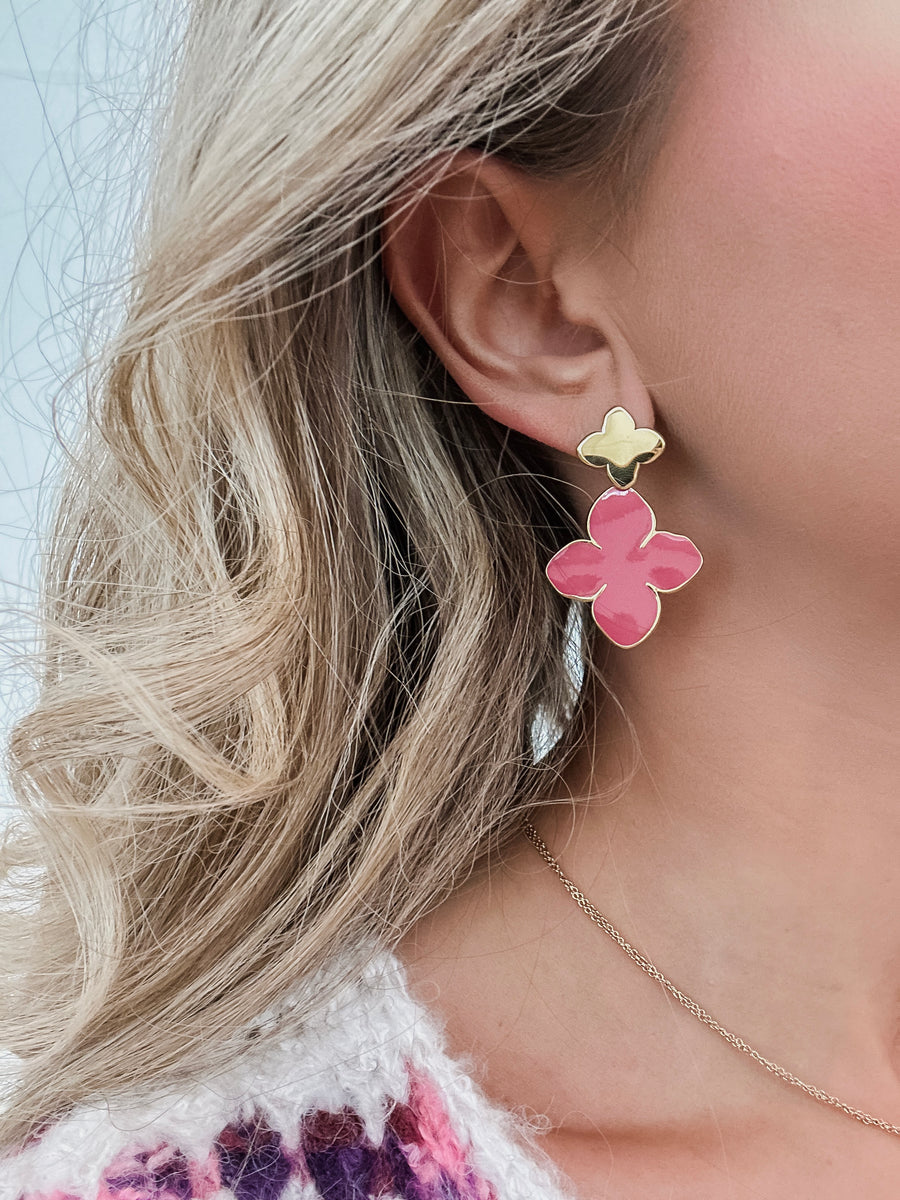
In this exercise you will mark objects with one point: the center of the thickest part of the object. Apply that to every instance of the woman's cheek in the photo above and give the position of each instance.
(766, 294)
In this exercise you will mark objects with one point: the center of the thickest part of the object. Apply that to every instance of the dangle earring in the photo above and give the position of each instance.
(627, 561)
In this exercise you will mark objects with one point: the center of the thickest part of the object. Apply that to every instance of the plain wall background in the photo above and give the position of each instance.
(38, 98)
(71, 130)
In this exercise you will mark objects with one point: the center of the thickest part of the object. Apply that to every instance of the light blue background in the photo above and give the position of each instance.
(71, 129)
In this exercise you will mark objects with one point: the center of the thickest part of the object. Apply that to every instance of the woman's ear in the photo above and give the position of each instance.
(496, 270)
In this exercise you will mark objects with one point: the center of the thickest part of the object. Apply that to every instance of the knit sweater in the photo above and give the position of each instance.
(363, 1101)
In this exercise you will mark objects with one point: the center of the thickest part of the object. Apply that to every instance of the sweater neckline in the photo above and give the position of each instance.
(507, 1140)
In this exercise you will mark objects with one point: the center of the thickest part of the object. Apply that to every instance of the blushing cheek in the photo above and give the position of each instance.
(821, 150)
(770, 267)
(803, 97)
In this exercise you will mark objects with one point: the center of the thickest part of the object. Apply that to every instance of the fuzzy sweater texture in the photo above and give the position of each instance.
(361, 1102)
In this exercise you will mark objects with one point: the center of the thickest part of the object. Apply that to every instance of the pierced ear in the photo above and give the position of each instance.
(491, 265)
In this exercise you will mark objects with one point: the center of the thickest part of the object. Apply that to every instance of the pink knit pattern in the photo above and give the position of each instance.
(420, 1157)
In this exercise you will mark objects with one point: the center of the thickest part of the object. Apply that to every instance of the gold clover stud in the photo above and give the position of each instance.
(620, 447)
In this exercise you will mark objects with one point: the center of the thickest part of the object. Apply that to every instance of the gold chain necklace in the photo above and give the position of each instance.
(690, 1004)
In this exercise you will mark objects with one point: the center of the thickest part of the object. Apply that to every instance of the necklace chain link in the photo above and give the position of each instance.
(689, 1003)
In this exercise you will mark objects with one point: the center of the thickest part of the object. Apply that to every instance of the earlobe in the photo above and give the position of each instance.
(480, 262)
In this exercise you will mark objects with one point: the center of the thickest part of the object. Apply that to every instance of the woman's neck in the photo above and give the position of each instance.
(753, 856)
(763, 824)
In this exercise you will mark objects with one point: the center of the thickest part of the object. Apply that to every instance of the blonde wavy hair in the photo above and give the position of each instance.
(297, 636)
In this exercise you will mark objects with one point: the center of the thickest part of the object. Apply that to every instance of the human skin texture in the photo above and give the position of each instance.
(748, 309)
(764, 291)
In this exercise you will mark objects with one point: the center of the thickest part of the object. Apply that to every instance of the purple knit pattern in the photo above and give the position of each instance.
(167, 1177)
(419, 1157)
(252, 1162)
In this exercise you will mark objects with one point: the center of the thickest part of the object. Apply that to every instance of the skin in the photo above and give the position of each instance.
(749, 312)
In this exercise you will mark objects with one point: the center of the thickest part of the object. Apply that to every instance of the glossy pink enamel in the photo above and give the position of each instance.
(574, 571)
(623, 566)
(626, 615)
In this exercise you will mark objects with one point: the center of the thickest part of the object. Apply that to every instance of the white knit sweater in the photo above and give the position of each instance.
(363, 1102)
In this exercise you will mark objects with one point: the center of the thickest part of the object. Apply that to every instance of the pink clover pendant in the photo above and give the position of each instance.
(624, 566)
